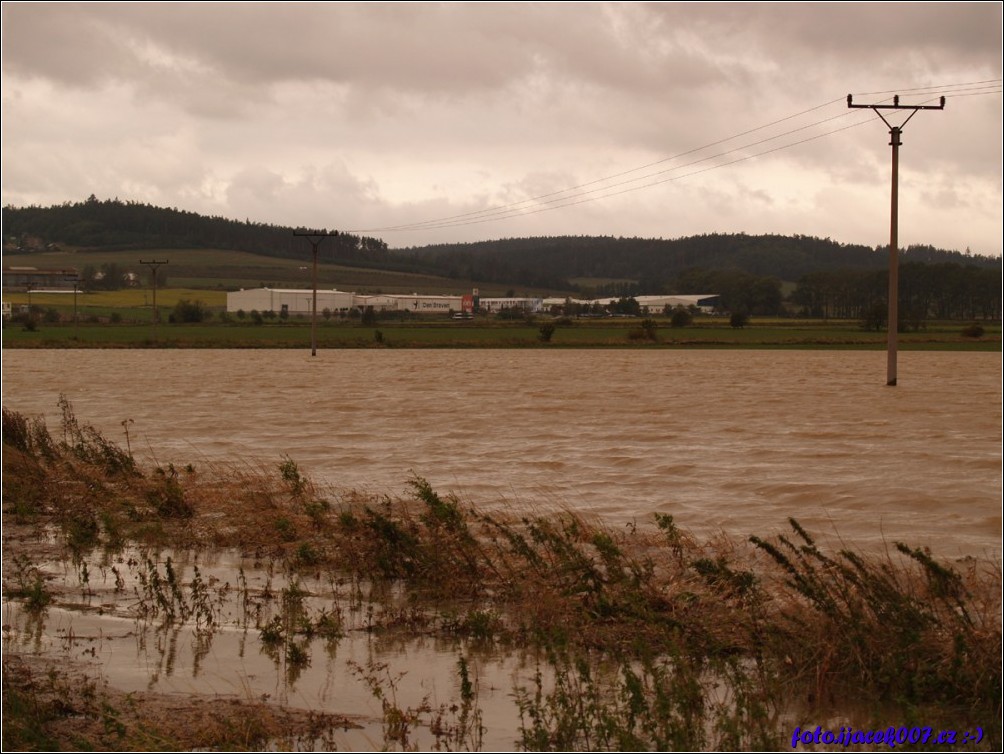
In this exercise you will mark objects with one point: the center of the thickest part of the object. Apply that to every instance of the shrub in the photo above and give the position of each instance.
(286, 529)
(649, 327)
(874, 316)
(681, 318)
(169, 499)
(189, 311)
(291, 475)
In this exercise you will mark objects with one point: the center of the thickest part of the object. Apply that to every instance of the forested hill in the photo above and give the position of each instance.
(654, 262)
(113, 224)
(641, 265)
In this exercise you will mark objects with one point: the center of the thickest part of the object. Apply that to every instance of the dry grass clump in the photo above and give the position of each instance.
(905, 628)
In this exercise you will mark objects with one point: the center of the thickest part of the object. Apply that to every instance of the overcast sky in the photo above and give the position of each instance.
(484, 120)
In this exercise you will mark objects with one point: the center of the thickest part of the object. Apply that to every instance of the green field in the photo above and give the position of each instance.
(124, 318)
(444, 333)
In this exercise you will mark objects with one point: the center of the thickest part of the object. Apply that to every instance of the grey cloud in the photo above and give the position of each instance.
(498, 101)
(451, 48)
(63, 42)
(970, 31)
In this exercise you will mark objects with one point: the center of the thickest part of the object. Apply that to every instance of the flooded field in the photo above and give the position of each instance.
(225, 625)
(724, 442)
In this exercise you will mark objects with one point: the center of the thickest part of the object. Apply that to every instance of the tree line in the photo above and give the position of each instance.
(926, 291)
(113, 224)
(751, 273)
(644, 266)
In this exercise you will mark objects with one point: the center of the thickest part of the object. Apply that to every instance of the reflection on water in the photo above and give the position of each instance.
(222, 624)
(733, 440)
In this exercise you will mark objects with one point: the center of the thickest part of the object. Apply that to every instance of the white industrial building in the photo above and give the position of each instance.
(417, 303)
(298, 301)
(706, 302)
(530, 305)
(379, 302)
(653, 304)
(553, 301)
(292, 301)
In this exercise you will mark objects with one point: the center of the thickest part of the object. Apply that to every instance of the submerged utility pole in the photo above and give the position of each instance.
(315, 238)
(154, 265)
(894, 132)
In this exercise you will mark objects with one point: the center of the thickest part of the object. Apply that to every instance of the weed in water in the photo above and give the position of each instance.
(292, 477)
(904, 635)
(306, 555)
(286, 529)
(27, 583)
(398, 722)
(168, 498)
(89, 445)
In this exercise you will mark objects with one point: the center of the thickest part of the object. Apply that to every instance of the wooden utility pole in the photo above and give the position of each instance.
(314, 237)
(154, 265)
(894, 132)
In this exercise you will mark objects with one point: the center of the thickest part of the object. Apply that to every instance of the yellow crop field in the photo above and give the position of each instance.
(127, 298)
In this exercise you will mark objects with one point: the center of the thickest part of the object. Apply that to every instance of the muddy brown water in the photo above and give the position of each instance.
(733, 441)
(722, 440)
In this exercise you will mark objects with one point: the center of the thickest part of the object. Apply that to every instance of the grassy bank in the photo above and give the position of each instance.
(622, 333)
(645, 637)
(124, 319)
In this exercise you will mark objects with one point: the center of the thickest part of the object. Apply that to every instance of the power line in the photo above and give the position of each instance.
(577, 194)
(413, 226)
(512, 209)
(977, 94)
(946, 87)
(644, 186)
(515, 210)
